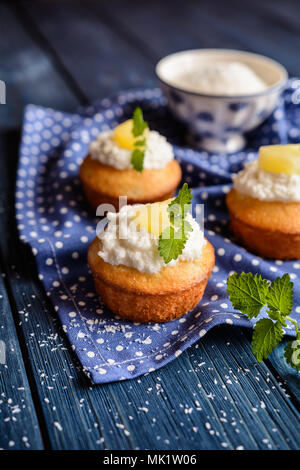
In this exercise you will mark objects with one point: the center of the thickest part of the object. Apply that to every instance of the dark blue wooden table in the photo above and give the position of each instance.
(215, 395)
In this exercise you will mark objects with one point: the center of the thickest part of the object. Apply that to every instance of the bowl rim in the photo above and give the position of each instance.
(269, 89)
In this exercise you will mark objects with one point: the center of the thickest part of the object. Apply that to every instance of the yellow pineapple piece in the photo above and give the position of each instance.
(153, 217)
(124, 137)
(280, 158)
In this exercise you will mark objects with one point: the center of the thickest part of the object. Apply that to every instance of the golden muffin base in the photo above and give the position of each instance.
(143, 297)
(104, 184)
(269, 229)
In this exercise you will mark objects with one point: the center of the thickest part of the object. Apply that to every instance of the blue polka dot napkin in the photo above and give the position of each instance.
(55, 220)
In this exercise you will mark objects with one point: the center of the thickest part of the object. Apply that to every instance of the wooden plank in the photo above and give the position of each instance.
(177, 391)
(65, 397)
(287, 13)
(18, 419)
(207, 24)
(163, 27)
(97, 68)
(215, 399)
(19, 427)
(29, 75)
(251, 29)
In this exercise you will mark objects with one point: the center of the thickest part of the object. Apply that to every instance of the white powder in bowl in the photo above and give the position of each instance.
(220, 78)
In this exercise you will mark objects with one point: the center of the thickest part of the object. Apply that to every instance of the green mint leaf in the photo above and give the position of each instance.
(140, 143)
(138, 128)
(177, 210)
(247, 292)
(292, 353)
(137, 159)
(182, 226)
(266, 336)
(280, 296)
(187, 228)
(139, 125)
(169, 247)
(276, 316)
(182, 202)
(173, 239)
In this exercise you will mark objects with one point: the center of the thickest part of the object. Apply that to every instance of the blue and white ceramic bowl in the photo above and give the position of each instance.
(218, 123)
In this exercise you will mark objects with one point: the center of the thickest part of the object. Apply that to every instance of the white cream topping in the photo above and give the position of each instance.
(221, 78)
(157, 155)
(123, 243)
(266, 185)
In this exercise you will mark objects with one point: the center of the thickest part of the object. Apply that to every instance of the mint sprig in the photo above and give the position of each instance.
(173, 239)
(280, 295)
(139, 125)
(266, 336)
(250, 293)
(137, 159)
(138, 129)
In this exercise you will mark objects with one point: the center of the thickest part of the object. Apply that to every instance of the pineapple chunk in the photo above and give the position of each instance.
(153, 217)
(124, 137)
(280, 158)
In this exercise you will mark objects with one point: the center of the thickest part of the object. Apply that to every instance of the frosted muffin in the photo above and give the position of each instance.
(264, 203)
(130, 161)
(133, 278)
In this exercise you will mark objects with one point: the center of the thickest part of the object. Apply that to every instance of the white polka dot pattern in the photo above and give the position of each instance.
(55, 220)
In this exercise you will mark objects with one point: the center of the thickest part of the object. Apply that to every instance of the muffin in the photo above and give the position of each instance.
(264, 203)
(132, 277)
(109, 170)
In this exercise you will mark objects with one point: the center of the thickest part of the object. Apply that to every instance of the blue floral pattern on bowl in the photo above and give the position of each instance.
(218, 124)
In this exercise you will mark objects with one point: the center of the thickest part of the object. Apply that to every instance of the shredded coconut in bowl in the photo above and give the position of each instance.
(221, 78)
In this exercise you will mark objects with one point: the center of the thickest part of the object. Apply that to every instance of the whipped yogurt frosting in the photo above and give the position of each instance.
(266, 185)
(157, 155)
(123, 243)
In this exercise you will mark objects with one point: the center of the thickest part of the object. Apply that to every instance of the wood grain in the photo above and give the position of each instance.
(19, 427)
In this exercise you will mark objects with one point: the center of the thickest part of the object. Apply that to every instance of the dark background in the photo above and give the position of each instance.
(215, 396)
